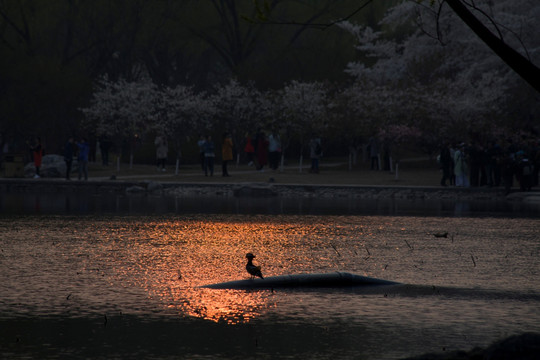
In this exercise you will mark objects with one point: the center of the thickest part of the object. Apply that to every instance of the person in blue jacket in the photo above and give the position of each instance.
(84, 150)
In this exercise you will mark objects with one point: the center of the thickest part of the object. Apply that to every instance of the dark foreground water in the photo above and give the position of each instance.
(126, 284)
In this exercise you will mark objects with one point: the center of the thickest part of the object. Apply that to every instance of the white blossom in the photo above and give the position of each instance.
(454, 83)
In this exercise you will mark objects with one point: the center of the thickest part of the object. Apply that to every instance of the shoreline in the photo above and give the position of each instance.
(262, 189)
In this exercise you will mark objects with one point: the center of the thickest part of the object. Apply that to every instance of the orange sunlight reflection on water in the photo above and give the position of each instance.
(171, 259)
(156, 265)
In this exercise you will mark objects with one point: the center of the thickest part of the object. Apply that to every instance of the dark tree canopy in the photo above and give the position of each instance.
(51, 52)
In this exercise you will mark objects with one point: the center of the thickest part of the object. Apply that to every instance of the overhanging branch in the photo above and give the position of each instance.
(520, 64)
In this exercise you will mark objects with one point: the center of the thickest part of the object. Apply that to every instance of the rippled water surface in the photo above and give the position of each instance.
(127, 286)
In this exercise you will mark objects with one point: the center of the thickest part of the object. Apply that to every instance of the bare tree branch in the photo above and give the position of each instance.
(322, 26)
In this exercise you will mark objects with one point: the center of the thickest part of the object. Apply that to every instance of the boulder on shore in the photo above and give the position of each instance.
(52, 166)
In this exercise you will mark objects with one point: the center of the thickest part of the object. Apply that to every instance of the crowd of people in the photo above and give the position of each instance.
(474, 164)
(260, 151)
(491, 164)
(81, 150)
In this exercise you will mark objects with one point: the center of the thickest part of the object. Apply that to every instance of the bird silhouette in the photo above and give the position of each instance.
(252, 269)
(441, 234)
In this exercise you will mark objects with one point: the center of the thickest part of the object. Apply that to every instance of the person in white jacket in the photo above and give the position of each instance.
(162, 148)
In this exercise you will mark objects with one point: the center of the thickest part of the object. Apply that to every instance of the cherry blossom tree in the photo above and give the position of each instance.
(370, 110)
(240, 110)
(122, 110)
(181, 113)
(521, 64)
(454, 89)
(302, 111)
(422, 77)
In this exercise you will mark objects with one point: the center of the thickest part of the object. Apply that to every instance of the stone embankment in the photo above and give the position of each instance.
(336, 191)
(138, 188)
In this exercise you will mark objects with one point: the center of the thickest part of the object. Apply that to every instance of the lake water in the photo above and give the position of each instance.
(79, 283)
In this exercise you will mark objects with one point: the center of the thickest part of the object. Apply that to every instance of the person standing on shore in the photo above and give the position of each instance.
(460, 166)
(445, 160)
(315, 153)
(200, 144)
(84, 150)
(373, 149)
(226, 153)
(162, 148)
(37, 155)
(68, 156)
(249, 149)
(274, 150)
(209, 156)
(262, 151)
(104, 146)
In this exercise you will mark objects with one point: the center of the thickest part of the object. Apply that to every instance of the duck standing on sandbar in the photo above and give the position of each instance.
(252, 269)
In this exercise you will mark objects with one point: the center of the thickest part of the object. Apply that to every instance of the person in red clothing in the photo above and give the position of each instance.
(37, 155)
(249, 149)
(262, 151)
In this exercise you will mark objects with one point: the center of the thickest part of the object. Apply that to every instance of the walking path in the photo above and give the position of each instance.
(417, 178)
(331, 173)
